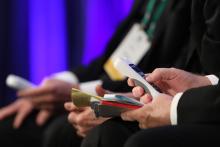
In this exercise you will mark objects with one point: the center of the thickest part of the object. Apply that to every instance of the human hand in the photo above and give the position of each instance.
(22, 108)
(50, 95)
(172, 81)
(82, 119)
(154, 114)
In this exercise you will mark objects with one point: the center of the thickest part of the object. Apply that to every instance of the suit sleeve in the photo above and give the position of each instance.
(95, 69)
(200, 106)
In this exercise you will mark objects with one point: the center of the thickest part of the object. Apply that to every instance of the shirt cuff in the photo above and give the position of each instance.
(213, 79)
(66, 76)
(173, 109)
(89, 87)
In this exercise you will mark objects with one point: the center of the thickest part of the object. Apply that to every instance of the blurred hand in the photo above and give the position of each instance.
(48, 98)
(154, 114)
(172, 81)
(21, 107)
(82, 119)
(51, 95)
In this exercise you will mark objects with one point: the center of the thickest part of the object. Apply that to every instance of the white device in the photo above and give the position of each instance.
(18, 83)
(130, 70)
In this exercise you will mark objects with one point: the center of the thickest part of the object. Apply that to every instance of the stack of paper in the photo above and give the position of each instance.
(113, 105)
(108, 106)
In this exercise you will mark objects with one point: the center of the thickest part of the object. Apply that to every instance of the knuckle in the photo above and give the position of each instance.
(157, 70)
(173, 69)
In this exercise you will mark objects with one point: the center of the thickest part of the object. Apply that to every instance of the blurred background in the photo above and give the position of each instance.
(41, 37)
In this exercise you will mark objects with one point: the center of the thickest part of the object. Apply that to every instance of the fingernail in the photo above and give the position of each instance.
(148, 78)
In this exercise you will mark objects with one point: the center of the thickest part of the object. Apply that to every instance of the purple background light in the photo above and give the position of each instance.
(102, 19)
(47, 38)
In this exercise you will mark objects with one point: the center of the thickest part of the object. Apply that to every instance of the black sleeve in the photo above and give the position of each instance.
(95, 69)
(200, 106)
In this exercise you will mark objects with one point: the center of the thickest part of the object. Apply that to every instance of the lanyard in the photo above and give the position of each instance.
(153, 16)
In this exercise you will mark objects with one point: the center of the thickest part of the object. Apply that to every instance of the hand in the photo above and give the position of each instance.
(47, 98)
(82, 119)
(154, 114)
(172, 81)
(22, 108)
(51, 95)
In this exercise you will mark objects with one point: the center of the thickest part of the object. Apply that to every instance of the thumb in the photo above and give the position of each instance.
(42, 117)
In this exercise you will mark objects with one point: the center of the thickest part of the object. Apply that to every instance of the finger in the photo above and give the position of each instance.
(21, 115)
(8, 110)
(93, 123)
(84, 116)
(131, 82)
(160, 74)
(69, 106)
(80, 134)
(130, 115)
(35, 91)
(44, 99)
(100, 91)
(138, 91)
(143, 125)
(42, 117)
(72, 118)
(83, 130)
(146, 99)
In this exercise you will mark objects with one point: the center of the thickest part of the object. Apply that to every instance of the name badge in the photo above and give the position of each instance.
(133, 47)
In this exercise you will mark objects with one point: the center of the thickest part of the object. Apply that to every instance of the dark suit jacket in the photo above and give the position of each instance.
(205, 37)
(171, 36)
(202, 105)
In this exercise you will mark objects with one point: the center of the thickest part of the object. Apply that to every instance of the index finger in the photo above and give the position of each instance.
(131, 82)
(160, 74)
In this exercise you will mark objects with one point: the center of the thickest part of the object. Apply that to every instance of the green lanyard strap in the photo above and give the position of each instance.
(153, 16)
(149, 11)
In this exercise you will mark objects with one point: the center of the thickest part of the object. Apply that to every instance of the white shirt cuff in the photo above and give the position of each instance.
(66, 76)
(213, 79)
(89, 87)
(173, 109)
